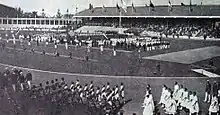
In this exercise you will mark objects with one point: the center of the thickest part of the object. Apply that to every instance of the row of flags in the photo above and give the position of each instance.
(123, 7)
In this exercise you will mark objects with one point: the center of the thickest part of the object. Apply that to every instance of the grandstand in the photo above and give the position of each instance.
(178, 10)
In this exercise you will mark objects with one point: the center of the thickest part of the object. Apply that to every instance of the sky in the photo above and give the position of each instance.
(51, 6)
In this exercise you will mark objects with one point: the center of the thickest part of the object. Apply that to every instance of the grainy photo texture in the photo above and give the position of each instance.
(109, 57)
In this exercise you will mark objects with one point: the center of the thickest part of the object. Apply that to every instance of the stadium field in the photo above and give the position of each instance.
(134, 87)
(125, 63)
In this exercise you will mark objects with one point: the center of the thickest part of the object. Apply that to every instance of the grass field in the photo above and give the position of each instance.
(125, 63)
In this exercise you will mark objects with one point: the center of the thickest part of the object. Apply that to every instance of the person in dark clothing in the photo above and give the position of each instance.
(37, 42)
(5, 81)
(57, 54)
(57, 83)
(40, 90)
(14, 81)
(29, 79)
(208, 92)
(3, 45)
(70, 54)
(53, 87)
(158, 68)
(44, 53)
(215, 88)
(62, 82)
(1, 80)
(211, 62)
(87, 58)
(47, 88)
(21, 79)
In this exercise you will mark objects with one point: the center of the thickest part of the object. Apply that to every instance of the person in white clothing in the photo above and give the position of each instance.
(148, 105)
(13, 36)
(179, 95)
(114, 52)
(167, 98)
(194, 109)
(101, 48)
(193, 104)
(172, 107)
(185, 98)
(214, 106)
(176, 88)
(122, 92)
(163, 95)
(190, 99)
(6, 35)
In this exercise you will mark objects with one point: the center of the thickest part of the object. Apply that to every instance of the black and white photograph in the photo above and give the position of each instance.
(117, 57)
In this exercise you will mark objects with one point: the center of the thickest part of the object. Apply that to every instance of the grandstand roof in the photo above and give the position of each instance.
(6, 11)
(163, 10)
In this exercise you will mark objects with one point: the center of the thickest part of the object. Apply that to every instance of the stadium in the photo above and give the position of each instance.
(132, 52)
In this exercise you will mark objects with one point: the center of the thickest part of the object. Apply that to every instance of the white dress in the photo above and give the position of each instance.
(214, 107)
(185, 99)
(167, 99)
(148, 107)
(162, 96)
(176, 88)
(179, 95)
(194, 108)
(172, 107)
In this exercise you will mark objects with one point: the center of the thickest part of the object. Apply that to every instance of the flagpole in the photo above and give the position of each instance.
(201, 7)
(120, 19)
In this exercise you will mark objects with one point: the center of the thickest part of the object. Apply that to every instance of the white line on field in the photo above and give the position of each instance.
(98, 76)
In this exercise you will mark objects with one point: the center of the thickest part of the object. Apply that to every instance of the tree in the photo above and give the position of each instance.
(20, 12)
(34, 14)
(58, 14)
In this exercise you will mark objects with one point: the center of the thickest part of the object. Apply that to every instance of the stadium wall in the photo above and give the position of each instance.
(36, 22)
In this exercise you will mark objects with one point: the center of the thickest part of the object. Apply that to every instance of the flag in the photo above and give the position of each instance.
(133, 8)
(105, 36)
(170, 9)
(91, 8)
(151, 8)
(103, 8)
(118, 8)
(123, 5)
(182, 4)
(190, 6)
(151, 4)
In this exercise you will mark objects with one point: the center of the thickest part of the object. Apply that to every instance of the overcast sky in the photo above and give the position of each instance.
(51, 6)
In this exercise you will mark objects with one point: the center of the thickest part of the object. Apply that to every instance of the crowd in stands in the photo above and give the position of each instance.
(59, 95)
(181, 100)
(188, 28)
